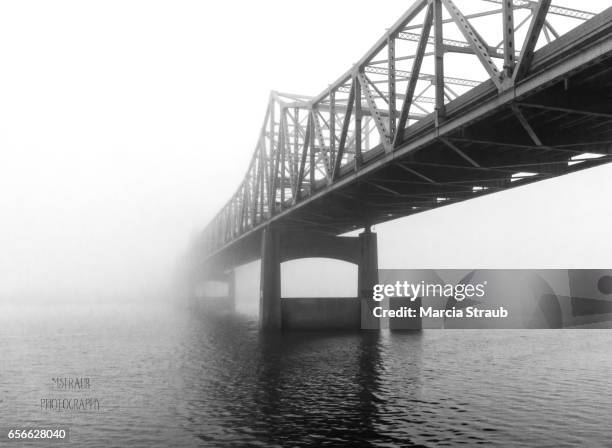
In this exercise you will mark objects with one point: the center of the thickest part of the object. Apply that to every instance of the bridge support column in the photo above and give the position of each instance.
(367, 278)
(270, 283)
(231, 289)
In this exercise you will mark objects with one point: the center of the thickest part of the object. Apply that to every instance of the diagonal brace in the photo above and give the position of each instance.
(475, 41)
(378, 119)
(537, 23)
(414, 77)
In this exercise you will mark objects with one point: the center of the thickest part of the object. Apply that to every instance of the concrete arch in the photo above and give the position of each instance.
(320, 246)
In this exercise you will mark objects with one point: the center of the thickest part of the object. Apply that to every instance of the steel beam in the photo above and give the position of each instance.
(439, 60)
(391, 85)
(344, 133)
(525, 124)
(508, 24)
(358, 117)
(378, 120)
(416, 70)
(478, 45)
(460, 152)
(535, 27)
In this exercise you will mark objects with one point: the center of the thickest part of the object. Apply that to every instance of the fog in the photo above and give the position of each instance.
(124, 126)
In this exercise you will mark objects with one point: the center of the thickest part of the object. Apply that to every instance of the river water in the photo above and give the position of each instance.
(168, 376)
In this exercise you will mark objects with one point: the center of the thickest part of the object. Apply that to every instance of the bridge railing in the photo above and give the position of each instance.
(306, 143)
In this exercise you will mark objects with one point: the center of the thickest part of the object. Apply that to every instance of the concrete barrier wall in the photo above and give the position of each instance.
(321, 313)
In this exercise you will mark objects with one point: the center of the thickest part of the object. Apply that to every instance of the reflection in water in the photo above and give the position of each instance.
(175, 378)
(296, 388)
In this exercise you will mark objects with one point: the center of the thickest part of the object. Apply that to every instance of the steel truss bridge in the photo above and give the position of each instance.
(406, 130)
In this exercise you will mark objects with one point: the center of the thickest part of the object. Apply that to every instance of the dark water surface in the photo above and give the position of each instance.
(172, 377)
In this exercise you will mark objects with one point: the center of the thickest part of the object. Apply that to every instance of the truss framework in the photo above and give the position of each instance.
(306, 143)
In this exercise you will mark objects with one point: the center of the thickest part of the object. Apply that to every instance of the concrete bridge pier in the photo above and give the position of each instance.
(367, 278)
(197, 291)
(314, 313)
(270, 281)
(231, 290)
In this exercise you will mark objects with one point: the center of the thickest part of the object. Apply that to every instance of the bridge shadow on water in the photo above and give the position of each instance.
(323, 388)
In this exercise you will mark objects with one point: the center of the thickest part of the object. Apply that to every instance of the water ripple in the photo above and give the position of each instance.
(174, 378)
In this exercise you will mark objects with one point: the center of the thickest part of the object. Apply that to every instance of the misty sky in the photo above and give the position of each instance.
(125, 125)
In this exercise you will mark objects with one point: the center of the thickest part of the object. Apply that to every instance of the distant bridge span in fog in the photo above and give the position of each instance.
(403, 132)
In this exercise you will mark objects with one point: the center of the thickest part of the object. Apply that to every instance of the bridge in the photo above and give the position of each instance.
(403, 132)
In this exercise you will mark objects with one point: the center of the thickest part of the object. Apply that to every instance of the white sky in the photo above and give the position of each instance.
(125, 125)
